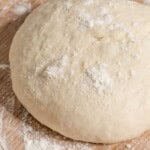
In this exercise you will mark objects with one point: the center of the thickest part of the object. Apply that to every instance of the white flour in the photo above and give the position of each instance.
(17, 9)
(38, 140)
(22, 8)
(68, 4)
(105, 18)
(132, 73)
(57, 68)
(3, 145)
(10, 104)
(4, 66)
(88, 2)
(100, 77)
(35, 136)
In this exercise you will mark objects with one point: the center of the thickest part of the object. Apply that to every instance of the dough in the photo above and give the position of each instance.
(82, 68)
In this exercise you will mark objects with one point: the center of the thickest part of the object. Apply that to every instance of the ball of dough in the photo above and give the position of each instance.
(82, 68)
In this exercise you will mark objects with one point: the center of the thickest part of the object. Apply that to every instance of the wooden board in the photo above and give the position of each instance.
(18, 129)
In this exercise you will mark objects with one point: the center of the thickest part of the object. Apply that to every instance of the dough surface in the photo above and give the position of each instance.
(82, 68)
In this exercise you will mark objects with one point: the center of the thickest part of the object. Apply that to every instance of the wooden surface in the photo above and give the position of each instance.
(12, 114)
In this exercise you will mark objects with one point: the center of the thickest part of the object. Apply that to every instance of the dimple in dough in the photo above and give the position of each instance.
(82, 68)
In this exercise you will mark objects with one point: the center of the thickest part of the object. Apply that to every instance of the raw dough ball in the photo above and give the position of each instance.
(82, 68)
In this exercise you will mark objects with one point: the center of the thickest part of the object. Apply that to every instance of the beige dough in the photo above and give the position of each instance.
(82, 68)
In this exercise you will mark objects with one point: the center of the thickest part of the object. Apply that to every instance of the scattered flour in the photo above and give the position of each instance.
(85, 19)
(68, 4)
(2, 137)
(22, 8)
(54, 71)
(37, 140)
(119, 74)
(122, 27)
(88, 2)
(57, 68)
(4, 66)
(132, 73)
(100, 77)
(107, 20)
(89, 21)
(103, 11)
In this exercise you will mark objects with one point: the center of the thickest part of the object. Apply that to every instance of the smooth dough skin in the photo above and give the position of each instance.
(82, 68)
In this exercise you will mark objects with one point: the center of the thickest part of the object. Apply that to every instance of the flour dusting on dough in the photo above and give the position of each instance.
(68, 4)
(132, 73)
(57, 68)
(88, 2)
(100, 77)
(87, 20)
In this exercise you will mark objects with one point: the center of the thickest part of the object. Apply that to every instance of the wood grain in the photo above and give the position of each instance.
(13, 111)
